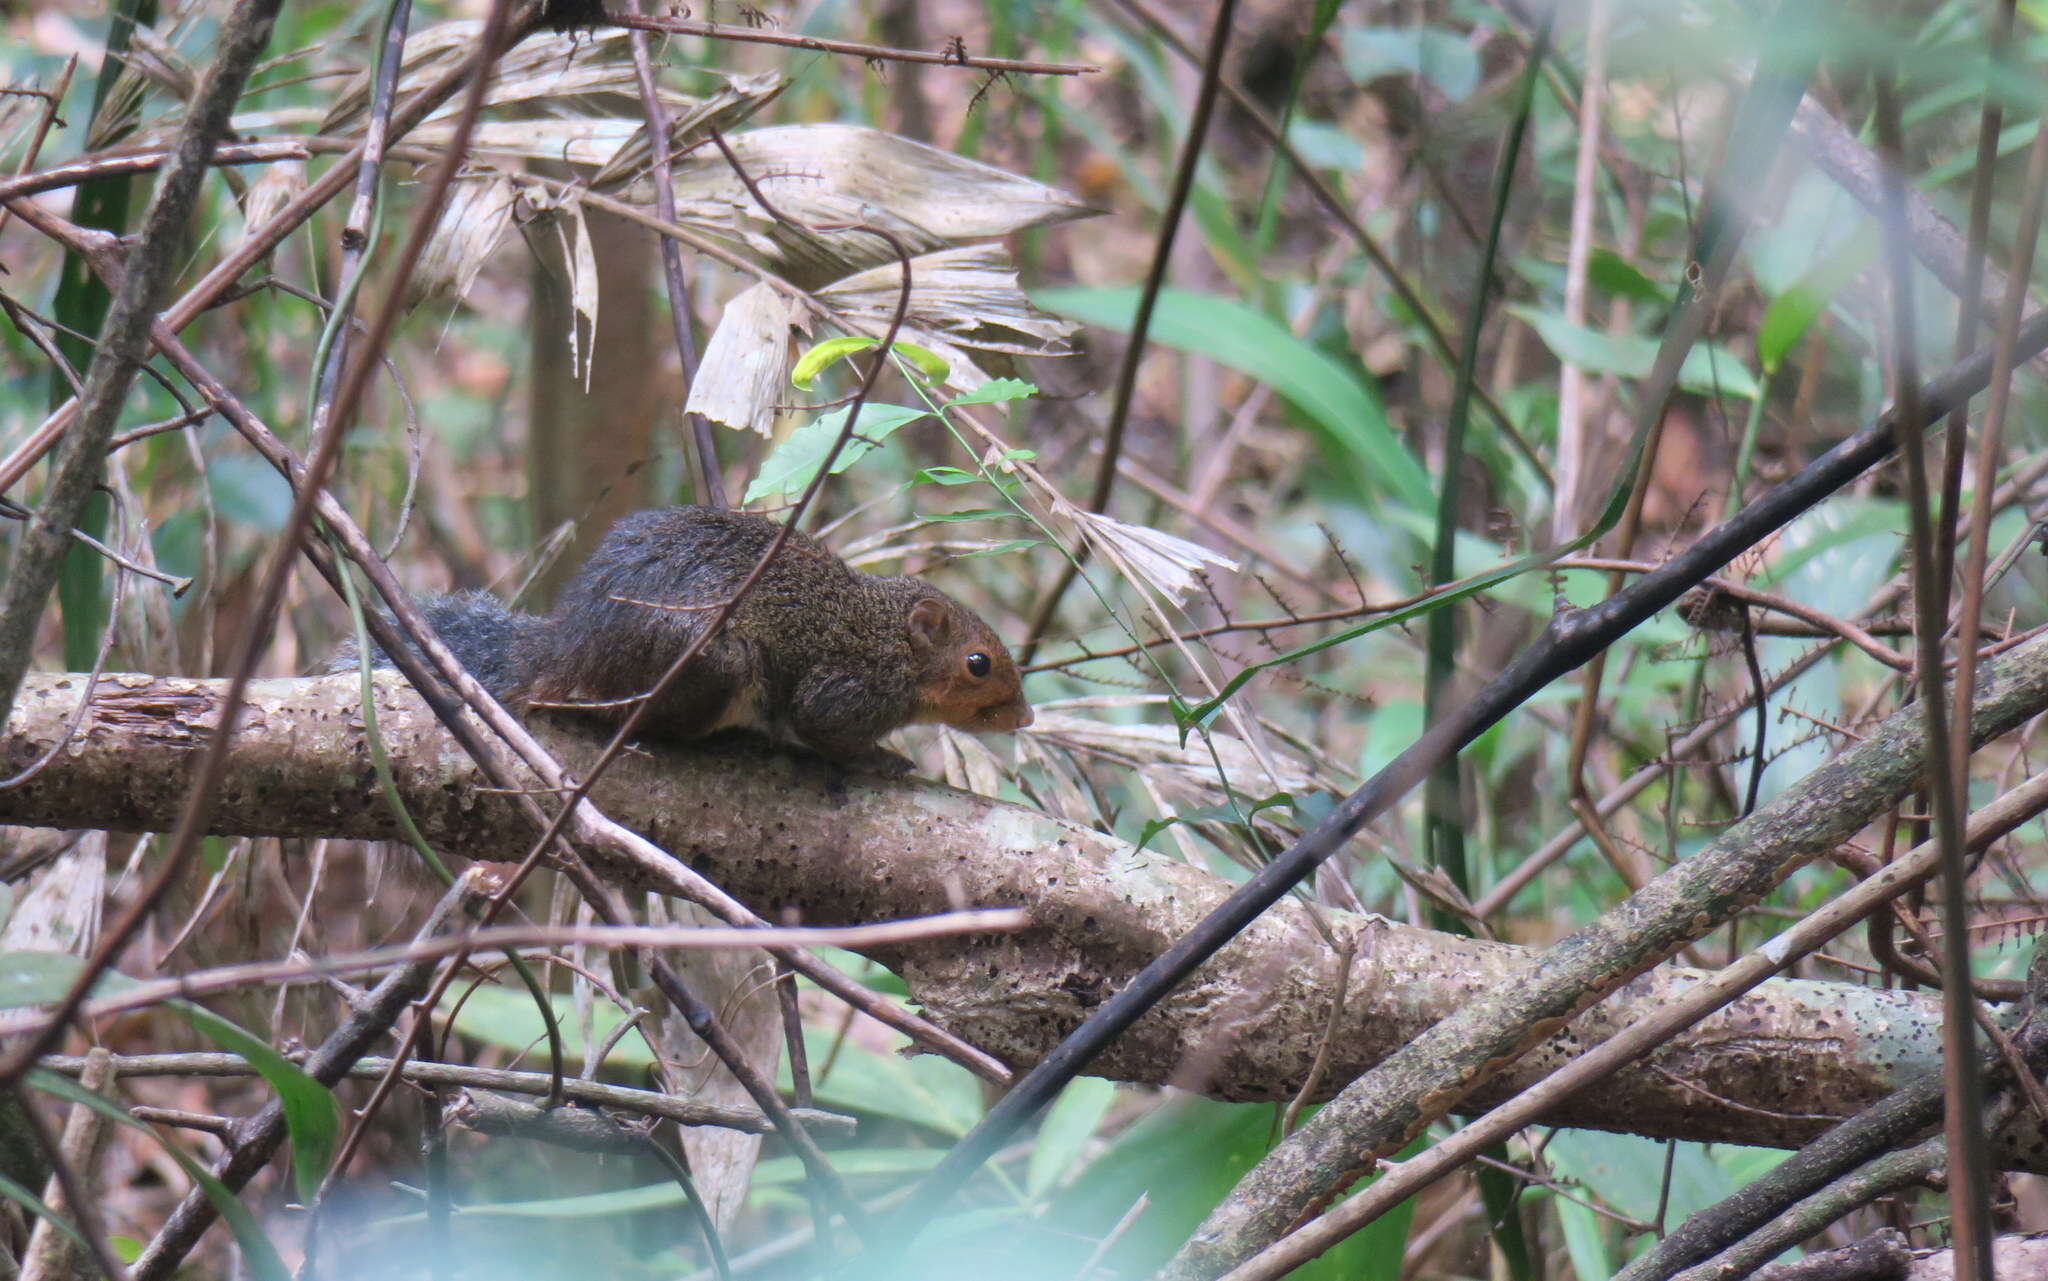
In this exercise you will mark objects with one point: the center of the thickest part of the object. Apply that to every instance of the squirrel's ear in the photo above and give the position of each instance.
(930, 621)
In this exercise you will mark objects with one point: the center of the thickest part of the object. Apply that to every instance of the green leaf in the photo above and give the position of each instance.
(1186, 1156)
(502, 1015)
(823, 355)
(797, 459)
(786, 1171)
(1789, 315)
(994, 392)
(1616, 275)
(35, 1205)
(258, 1254)
(1345, 410)
(311, 1116)
(40, 978)
(927, 1091)
(1444, 58)
(1583, 1242)
(1068, 1126)
(945, 476)
(1708, 369)
(248, 491)
(924, 360)
(595, 1205)
(1626, 1172)
(1325, 146)
(1245, 808)
(829, 352)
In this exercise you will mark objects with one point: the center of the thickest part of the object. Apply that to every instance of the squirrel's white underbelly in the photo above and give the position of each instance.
(742, 711)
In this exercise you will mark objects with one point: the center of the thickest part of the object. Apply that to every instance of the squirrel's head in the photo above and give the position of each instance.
(965, 675)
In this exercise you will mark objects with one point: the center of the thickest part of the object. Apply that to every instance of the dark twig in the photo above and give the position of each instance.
(710, 483)
(128, 161)
(258, 1137)
(1947, 764)
(866, 52)
(81, 452)
(618, 1098)
(1700, 999)
(1570, 640)
(147, 272)
(1141, 322)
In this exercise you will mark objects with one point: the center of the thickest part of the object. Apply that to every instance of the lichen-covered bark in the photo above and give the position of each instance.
(1381, 1110)
(783, 833)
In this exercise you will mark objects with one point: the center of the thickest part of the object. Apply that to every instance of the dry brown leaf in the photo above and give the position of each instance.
(743, 376)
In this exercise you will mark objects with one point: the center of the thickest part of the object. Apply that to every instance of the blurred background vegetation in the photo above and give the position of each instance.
(1285, 449)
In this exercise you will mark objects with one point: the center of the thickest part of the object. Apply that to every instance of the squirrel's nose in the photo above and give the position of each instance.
(1025, 715)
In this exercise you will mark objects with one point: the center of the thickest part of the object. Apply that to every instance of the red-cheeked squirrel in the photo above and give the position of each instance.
(817, 653)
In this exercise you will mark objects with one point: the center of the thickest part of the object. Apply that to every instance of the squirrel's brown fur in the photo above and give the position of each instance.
(817, 653)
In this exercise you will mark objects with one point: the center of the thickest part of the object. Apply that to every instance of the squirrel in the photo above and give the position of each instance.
(817, 653)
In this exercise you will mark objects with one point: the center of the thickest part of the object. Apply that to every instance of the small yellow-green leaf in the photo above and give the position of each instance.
(926, 361)
(822, 356)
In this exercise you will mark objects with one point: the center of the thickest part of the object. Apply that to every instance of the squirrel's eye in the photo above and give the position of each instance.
(977, 665)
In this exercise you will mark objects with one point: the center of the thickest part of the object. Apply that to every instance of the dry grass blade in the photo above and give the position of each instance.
(480, 213)
(831, 174)
(1169, 565)
(969, 294)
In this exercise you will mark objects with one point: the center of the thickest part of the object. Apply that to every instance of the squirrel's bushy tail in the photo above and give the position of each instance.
(477, 627)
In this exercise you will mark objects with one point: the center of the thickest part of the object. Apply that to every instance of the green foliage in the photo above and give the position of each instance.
(1344, 410)
(795, 462)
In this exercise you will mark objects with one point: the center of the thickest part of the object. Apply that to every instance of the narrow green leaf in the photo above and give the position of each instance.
(972, 513)
(258, 1254)
(35, 1205)
(1068, 1126)
(824, 355)
(1345, 410)
(1013, 545)
(1789, 315)
(311, 1116)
